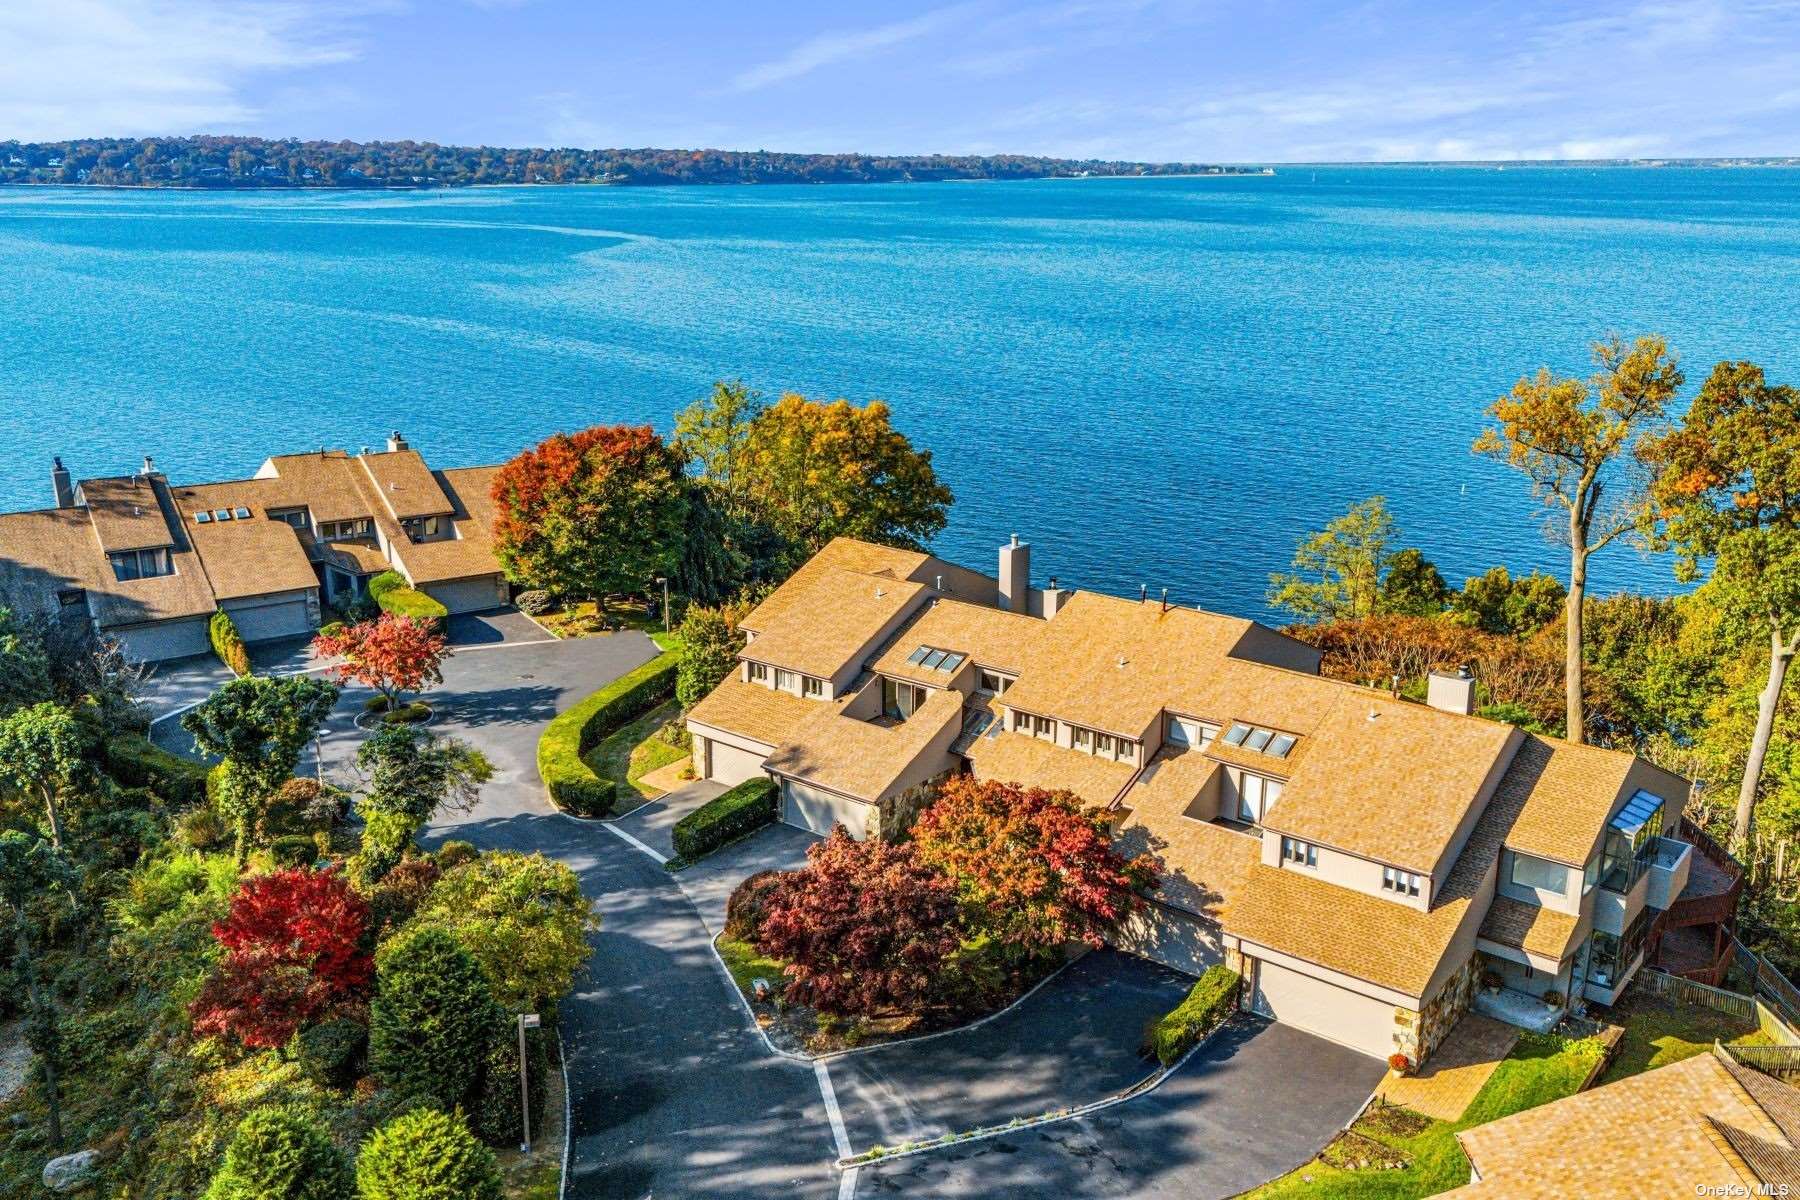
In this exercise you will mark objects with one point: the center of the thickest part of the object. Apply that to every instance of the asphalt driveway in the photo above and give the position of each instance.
(653, 823)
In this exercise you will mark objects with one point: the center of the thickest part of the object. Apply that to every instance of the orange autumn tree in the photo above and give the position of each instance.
(591, 513)
(1033, 869)
(392, 654)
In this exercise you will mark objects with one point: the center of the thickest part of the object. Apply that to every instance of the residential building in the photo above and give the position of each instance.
(148, 562)
(1364, 861)
(1711, 1125)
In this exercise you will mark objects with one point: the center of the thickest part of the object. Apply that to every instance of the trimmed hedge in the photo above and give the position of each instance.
(227, 644)
(1211, 1001)
(393, 594)
(135, 761)
(726, 817)
(572, 784)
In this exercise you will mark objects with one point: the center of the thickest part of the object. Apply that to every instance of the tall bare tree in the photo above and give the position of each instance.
(1569, 437)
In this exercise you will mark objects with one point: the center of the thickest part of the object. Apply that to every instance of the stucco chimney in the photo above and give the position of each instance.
(149, 466)
(61, 484)
(396, 442)
(1054, 598)
(1451, 692)
(1015, 575)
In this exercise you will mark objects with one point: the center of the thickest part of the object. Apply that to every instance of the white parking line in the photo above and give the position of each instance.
(823, 1074)
(661, 858)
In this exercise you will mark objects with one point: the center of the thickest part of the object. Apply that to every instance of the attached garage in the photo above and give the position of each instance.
(1324, 1009)
(469, 595)
(264, 617)
(731, 764)
(1171, 937)
(818, 810)
(163, 639)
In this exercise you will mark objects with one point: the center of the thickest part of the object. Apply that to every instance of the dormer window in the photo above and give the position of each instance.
(141, 564)
(759, 673)
(992, 682)
(1299, 853)
(1401, 883)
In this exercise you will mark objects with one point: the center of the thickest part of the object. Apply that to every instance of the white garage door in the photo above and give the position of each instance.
(276, 619)
(467, 595)
(1324, 1009)
(730, 765)
(811, 808)
(1174, 939)
(165, 639)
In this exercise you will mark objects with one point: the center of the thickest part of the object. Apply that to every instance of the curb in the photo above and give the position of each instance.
(985, 1132)
(562, 1054)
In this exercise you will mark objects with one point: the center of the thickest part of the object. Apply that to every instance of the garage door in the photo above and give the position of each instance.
(279, 619)
(730, 765)
(1174, 939)
(165, 639)
(1324, 1009)
(467, 595)
(811, 808)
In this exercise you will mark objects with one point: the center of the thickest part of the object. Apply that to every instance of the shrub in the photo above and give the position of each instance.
(432, 1019)
(426, 1155)
(394, 900)
(572, 784)
(331, 1054)
(534, 602)
(135, 761)
(524, 919)
(1399, 1063)
(710, 642)
(411, 713)
(453, 854)
(331, 628)
(279, 1154)
(392, 594)
(496, 1116)
(1212, 999)
(744, 911)
(227, 644)
(293, 809)
(387, 836)
(294, 850)
(726, 817)
(200, 828)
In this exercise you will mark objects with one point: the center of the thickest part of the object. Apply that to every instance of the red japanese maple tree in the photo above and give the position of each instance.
(392, 654)
(864, 927)
(1032, 868)
(293, 954)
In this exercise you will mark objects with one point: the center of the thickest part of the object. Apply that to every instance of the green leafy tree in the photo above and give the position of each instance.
(710, 642)
(29, 870)
(1569, 437)
(591, 513)
(257, 727)
(43, 753)
(714, 433)
(1413, 587)
(433, 1017)
(1338, 571)
(522, 917)
(1727, 489)
(1498, 603)
(280, 1154)
(412, 776)
(823, 470)
(24, 665)
(426, 1155)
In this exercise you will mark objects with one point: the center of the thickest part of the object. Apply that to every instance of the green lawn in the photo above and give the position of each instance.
(1538, 1070)
(746, 964)
(1658, 1033)
(581, 619)
(631, 752)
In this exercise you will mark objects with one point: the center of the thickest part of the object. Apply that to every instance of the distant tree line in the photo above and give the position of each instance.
(246, 162)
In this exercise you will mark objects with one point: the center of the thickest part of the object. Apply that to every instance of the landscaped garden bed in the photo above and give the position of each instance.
(571, 780)
(634, 750)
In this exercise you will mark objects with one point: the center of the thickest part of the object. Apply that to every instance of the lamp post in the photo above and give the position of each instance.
(664, 580)
(526, 1021)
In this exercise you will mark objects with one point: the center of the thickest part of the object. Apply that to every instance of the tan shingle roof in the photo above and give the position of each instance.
(1205, 866)
(845, 612)
(125, 513)
(326, 482)
(406, 486)
(859, 758)
(1541, 931)
(471, 551)
(988, 636)
(243, 557)
(1015, 758)
(753, 711)
(809, 588)
(44, 551)
(1389, 780)
(1647, 1133)
(1569, 792)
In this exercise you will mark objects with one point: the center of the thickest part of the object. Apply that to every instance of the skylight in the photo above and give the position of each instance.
(931, 661)
(930, 658)
(203, 517)
(918, 656)
(1281, 745)
(1236, 734)
(1260, 738)
(223, 514)
(243, 514)
(951, 662)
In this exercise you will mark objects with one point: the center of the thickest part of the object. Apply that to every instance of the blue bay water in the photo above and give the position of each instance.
(1162, 382)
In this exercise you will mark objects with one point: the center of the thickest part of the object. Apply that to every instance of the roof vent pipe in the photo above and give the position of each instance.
(940, 583)
(1165, 599)
(1143, 592)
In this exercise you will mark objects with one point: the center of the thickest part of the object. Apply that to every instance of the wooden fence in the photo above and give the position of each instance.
(1687, 991)
(1770, 984)
(1783, 1062)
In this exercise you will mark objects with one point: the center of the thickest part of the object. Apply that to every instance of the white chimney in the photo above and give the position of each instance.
(1054, 598)
(1451, 692)
(1015, 576)
(62, 484)
(149, 466)
(396, 442)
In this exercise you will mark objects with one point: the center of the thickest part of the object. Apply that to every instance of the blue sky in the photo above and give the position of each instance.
(1137, 79)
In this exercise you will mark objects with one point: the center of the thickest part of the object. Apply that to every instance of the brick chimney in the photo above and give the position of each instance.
(61, 484)
(1015, 576)
(1451, 692)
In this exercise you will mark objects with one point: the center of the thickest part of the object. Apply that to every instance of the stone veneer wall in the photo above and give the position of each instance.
(895, 815)
(1417, 1034)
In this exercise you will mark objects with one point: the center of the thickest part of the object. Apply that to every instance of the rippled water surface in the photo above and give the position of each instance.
(1162, 382)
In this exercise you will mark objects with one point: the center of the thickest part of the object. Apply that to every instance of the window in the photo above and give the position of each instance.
(990, 681)
(203, 517)
(900, 699)
(1590, 874)
(296, 517)
(1279, 747)
(784, 680)
(1611, 956)
(1251, 800)
(1303, 854)
(141, 564)
(1403, 883)
(1258, 738)
(758, 673)
(1237, 733)
(1046, 728)
(918, 656)
(241, 513)
(431, 526)
(931, 661)
(1631, 841)
(1539, 874)
(952, 661)
(221, 514)
(1082, 739)
(1103, 744)
(812, 686)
